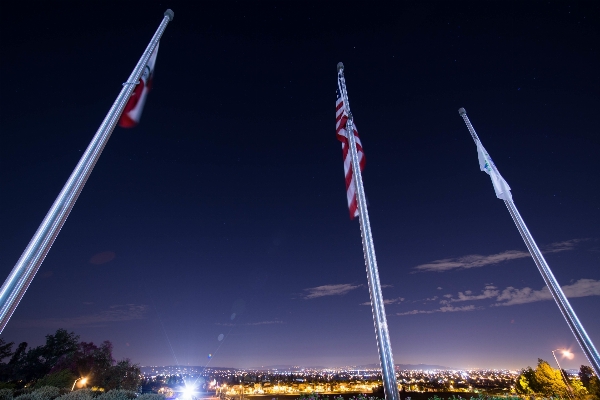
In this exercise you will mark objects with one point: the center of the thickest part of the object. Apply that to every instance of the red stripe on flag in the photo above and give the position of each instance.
(341, 120)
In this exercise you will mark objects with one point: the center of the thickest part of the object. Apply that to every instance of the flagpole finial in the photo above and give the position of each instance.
(340, 66)
(462, 111)
(169, 13)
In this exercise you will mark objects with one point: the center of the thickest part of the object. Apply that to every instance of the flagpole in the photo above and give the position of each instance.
(22, 274)
(561, 300)
(384, 347)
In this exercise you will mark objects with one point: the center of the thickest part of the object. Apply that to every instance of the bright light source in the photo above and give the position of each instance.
(568, 354)
(188, 392)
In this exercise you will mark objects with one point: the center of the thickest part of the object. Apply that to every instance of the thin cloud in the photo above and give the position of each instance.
(470, 261)
(582, 288)
(489, 292)
(510, 296)
(563, 246)
(250, 323)
(477, 260)
(117, 313)
(388, 301)
(443, 309)
(329, 290)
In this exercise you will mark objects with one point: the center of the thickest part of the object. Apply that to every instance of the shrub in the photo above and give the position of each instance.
(117, 394)
(83, 394)
(26, 396)
(149, 396)
(6, 394)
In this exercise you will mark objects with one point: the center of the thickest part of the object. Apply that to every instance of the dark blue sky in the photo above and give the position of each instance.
(229, 196)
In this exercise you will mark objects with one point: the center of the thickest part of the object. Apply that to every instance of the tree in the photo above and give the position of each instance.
(11, 372)
(62, 359)
(38, 361)
(88, 360)
(544, 380)
(58, 345)
(525, 381)
(5, 349)
(124, 375)
(60, 379)
(590, 381)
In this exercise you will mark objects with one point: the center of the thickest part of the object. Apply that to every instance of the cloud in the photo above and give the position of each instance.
(582, 288)
(251, 323)
(563, 246)
(413, 312)
(117, 313)
(329, 290)
(477, 260)
(388, 301)
(470, 261)
(510, 296)
(488, 293)
(443, 309)
(102, 258)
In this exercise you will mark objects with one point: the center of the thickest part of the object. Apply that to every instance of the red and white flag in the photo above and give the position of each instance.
(341, 116)
(134, 107)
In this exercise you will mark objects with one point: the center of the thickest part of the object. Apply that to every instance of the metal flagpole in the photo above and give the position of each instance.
(384, 347)
(561, 300)
(18, 281)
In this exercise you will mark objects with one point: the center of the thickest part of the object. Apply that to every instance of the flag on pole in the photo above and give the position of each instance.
(487, 165)
(134, 107)
(341, 116)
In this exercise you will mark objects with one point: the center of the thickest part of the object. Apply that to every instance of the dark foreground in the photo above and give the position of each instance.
(348, 396)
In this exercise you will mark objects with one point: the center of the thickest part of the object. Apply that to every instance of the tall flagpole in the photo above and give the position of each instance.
(561, 300)
(22, 274)
(384, 347)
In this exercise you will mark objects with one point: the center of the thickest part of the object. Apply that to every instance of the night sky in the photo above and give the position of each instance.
(224, 212)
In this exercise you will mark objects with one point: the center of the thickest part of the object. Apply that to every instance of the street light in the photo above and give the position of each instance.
(569, 355)
(83, 380)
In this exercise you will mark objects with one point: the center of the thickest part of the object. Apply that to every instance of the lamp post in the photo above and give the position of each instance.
(82, 381)
(565, 353)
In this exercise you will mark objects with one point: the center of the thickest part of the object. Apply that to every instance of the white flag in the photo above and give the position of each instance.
(486, 164)
(135, 105)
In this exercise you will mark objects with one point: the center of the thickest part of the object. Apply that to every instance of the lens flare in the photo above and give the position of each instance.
(568, 354)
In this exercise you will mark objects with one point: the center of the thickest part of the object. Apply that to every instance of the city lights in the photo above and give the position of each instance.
(232, 382)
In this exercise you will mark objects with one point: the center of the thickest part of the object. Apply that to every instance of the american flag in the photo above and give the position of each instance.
(341, 116)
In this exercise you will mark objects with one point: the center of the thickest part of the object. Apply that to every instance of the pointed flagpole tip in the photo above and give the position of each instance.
(462, 111)
(340, 66)
(169, 13)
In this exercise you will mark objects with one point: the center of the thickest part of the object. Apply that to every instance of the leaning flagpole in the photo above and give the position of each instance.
(561, 300)
(22, 274)
(384, 347)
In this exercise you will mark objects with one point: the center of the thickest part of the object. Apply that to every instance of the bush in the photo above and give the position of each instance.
(26, 396)
(46, 393)
(149, 396)
(117, 394)
(83, 394)
(6, 394)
